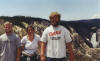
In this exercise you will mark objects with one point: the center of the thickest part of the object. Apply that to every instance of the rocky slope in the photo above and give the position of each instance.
(81, 32)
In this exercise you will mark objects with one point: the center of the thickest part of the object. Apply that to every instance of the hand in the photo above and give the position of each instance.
(43, 58)
(71, 59)
(18, 59)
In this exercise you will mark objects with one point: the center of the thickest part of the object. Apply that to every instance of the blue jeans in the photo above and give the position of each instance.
(55, 59)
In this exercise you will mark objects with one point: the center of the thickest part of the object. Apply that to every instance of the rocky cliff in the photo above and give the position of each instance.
(81, 33)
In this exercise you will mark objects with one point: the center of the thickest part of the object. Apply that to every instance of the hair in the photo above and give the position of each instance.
(7, 22)
(29, 27)
(54, 14)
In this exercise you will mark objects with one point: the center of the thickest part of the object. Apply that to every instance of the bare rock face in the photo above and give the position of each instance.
(95, 53)
(82, 52)
(1, 26)
(92, 54)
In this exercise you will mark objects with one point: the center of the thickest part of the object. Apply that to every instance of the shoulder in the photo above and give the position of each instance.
(38, 36)
(48, 28)
(16, 36)
(64, 28)
(2, 36)
(24, 37)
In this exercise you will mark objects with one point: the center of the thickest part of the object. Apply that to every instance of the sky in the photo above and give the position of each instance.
(69, 9)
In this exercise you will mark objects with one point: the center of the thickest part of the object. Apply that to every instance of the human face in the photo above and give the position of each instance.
(8, 28)
(54, 20)
(30, 31)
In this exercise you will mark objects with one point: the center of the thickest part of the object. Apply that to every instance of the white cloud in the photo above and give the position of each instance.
(95, 16)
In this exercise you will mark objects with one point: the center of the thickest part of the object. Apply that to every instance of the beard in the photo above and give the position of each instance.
(55, 24)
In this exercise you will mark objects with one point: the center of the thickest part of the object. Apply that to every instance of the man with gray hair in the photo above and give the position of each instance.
(9, 44)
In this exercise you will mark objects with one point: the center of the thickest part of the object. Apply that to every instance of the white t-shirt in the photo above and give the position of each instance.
(30, 46)
(56, 38)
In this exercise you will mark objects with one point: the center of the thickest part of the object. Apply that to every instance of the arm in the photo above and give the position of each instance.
(43, 43)
(43, 50)
(18, 45)
(39, 45)
(38, 49)
(71, 54)
(18, 54)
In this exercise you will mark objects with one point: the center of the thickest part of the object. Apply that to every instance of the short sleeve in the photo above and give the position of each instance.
(38, 38)
(44, 36)
(67, 36)
(23, 40)
(0, 43)
(0, 38)
(18, 42)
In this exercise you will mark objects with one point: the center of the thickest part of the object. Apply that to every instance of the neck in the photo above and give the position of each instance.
(8, 33)
(55, 25)
(30, 37)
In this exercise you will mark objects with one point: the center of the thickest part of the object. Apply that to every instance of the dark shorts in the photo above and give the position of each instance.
(55, 59)
(29, 58)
